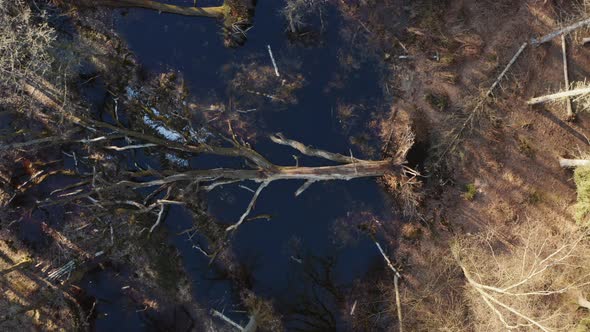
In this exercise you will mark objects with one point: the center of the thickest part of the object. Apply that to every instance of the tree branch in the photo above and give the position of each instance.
(309, 151)
(249, 208)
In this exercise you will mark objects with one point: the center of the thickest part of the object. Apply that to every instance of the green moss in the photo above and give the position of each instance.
(535, 198)
(583, 326)
(437, 101)
(525, 147)
(470, 192)
(582, 179)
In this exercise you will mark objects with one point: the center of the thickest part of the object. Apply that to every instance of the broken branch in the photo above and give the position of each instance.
(250, 206)
(279, 138)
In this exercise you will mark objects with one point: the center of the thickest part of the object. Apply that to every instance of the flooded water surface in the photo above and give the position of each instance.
(300, 237)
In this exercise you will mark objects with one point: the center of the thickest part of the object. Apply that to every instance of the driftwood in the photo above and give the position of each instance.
(568, 101)
(215, 12)
(557, 33)
(559, 95)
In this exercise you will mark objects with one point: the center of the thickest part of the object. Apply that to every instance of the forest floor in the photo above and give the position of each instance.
(503, 171)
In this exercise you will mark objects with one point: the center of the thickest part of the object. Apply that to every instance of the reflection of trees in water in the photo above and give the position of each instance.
(314, 298)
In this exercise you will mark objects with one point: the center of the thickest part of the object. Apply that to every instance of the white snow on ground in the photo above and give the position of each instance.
(169, 134)
(176, 160)
(131, 93)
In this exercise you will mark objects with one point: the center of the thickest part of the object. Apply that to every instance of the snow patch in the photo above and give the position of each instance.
(169, 134)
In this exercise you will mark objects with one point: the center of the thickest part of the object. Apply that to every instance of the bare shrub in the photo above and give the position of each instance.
(529, 280)
(297, 12)
(25, 43)
(432, 295)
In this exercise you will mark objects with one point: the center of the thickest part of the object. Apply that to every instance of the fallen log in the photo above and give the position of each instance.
(261, 170)
(557, 33)
(568, 101)
(480, 104)
(559, 95)
(566, 163)
(214, 12)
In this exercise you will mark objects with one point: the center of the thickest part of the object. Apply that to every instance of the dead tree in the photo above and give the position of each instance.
(260, 169)
(511, 281)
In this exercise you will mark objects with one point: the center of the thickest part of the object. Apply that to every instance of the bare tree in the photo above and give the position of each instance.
(526, 283)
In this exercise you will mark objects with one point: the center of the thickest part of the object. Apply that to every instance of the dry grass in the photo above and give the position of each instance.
(297, 12)
(582, 179)
(25, 43)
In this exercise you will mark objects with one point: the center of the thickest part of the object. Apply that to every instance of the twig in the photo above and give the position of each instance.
(250, 206)
(274, 63)
(62, 271)
(160, 217)
(352, 310)
(130, 147)
(226, 319)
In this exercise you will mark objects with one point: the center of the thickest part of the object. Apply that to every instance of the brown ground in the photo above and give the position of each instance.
(510, 155)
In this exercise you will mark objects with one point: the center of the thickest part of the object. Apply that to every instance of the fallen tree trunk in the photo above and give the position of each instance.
(261, 170)
(557, 96)
(568, 101)
(560, 32)
(215, 12)
(322, 173)
(573, 162)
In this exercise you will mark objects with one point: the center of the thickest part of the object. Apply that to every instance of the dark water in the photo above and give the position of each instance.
(193, 46)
